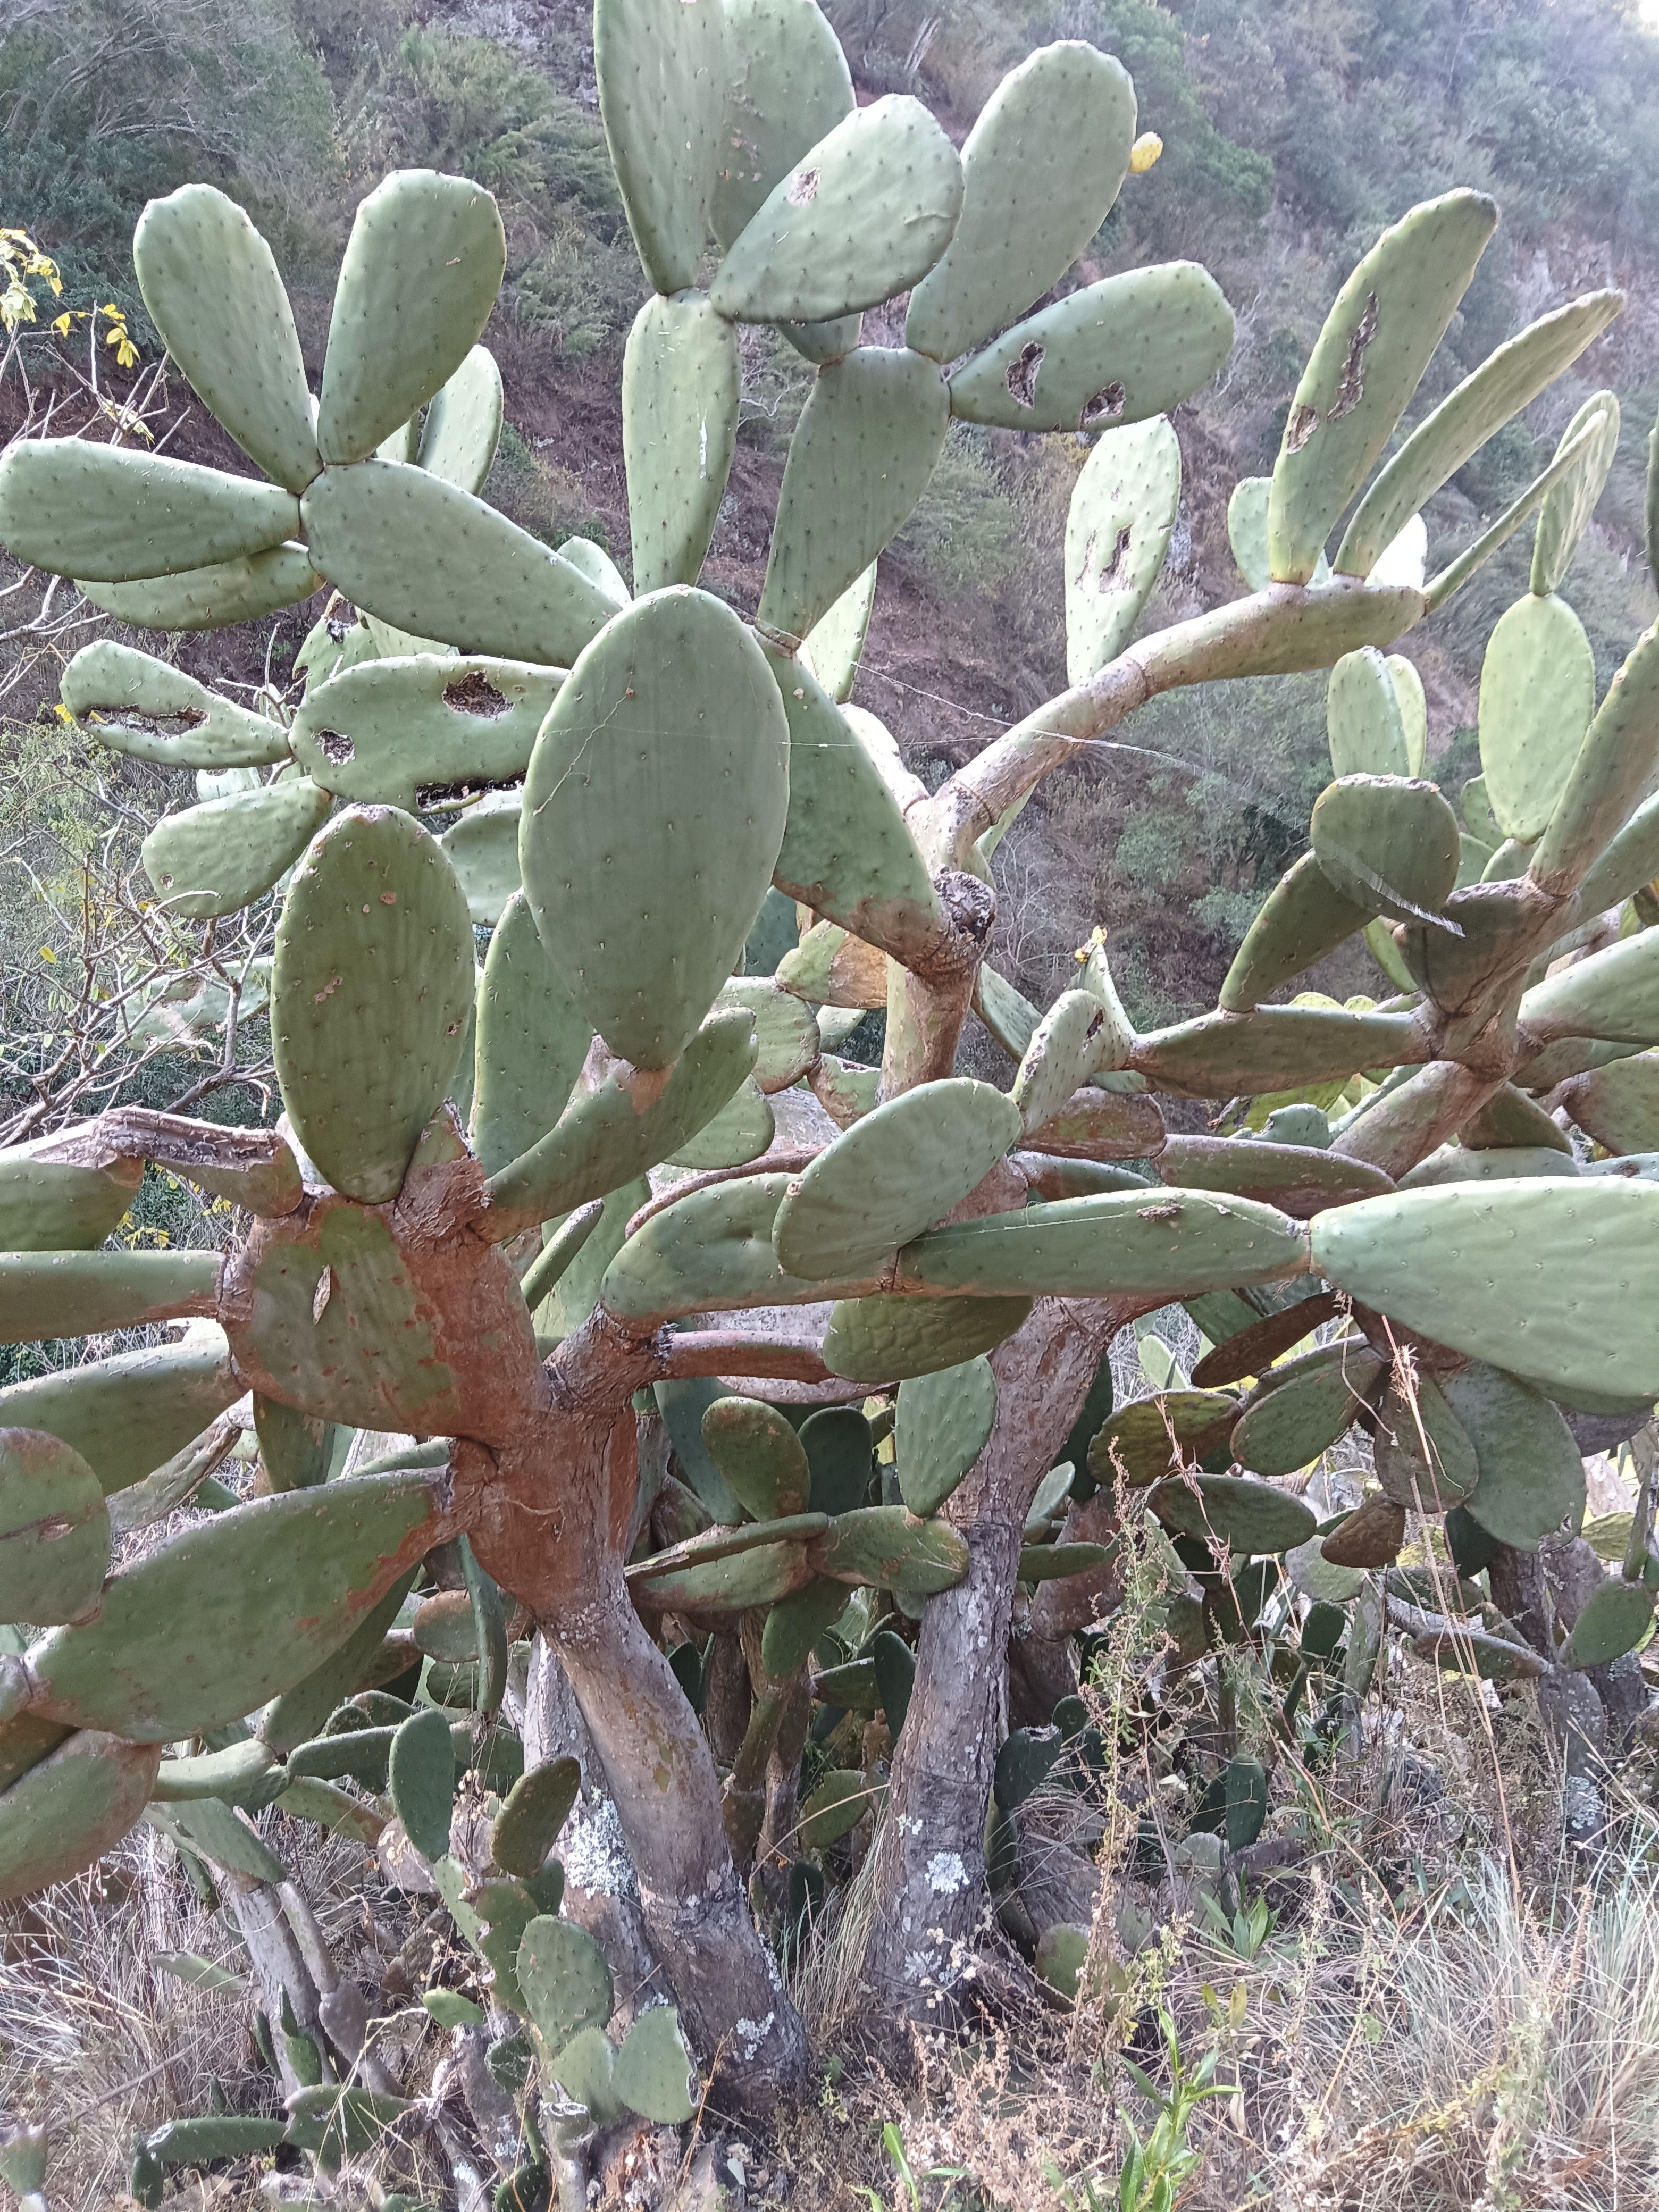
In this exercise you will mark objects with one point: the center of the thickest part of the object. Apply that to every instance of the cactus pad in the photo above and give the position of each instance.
(219, 857)
(667, 742)
(373, 987)
(422, 270)
(1117, 532)
(759, 1455)
(1571, 502)
(463, 424)
(945, 1422)
(787, 86)
(1304, 917)
(1537, 695)
(887, 1338)
(864, 448)
(1235, 1509)
(234, 1610)
(662, 78)
(889, 1548)
(862, 217)
(1531, 1476)
(1571, 1253)
(680, 390)
(145, 706)
(1388, 843)
(653, 2073)
(1041, 170)
(116, 516)
(427, 557)
(54, 1530)
(527, 1826)
(1366, 363)
(386, 731)
(1129, 347)
(532, 1040)
(210, 284)
(895, 1171)
(67, 1811)
(565, 1981)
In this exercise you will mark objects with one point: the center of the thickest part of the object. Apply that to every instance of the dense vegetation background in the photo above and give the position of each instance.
(1293, 130)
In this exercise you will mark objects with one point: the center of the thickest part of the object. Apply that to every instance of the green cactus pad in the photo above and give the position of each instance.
(298, 1714)
(127, 1414)
(118, 516)
(361, 1753)
(846, 850)
(1052, 1563)
(1368, 360)
(1305, 917)
(1571, 502)
(890, 1175)
(653, 2073)
(385, 731)
(681, 383)
(1537, 695)
(1570, 1253)
(537, 1805)
(47, 1294)
(759, 1455)
(576, 1256)
(54, 1530)
(1531, 1476)
(372, 989)
(787, 86)
(668, 740)
(795, 1623)
(483, 848)
(1616, 1618)
(1387, 842)
(566, 1983)
(840, 1450)
(332, 1321)
(225, 592)
(742, 1129)
(1612, 994)
(889, 1548)
(1235, 1509)
(1618, 1105)
(1364, 717)
(862, 452)
(463, 424)
(1611, 774)
(888, 1339)
(1023, 1763)
(833, 1808)
(532, 1040)
(1064, 1052)
(1173, 1244)
(945, 1422)
(1039, 171)
(597, 565)
(210, 284)
(709, 1252)
(661, 67)
(48, 1206)
(759, 1576)
(606, 1137)
(1140, 1444)
(421, 269)
(862, 217)
(835, 644)
(235, 1609)
(1506, 382)
(420, 1777)
(67, 1811)
(1298, 1412)
(218, 858)
(139, 705)
(1273, 1048)
(1129, 347)
(1247, 529)
(584, 2071)
(1425, 1460)
(427, 557)
(1117, 532)
(786, 1035)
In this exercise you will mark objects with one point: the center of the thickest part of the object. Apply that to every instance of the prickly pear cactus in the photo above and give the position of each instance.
(594, 1321)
